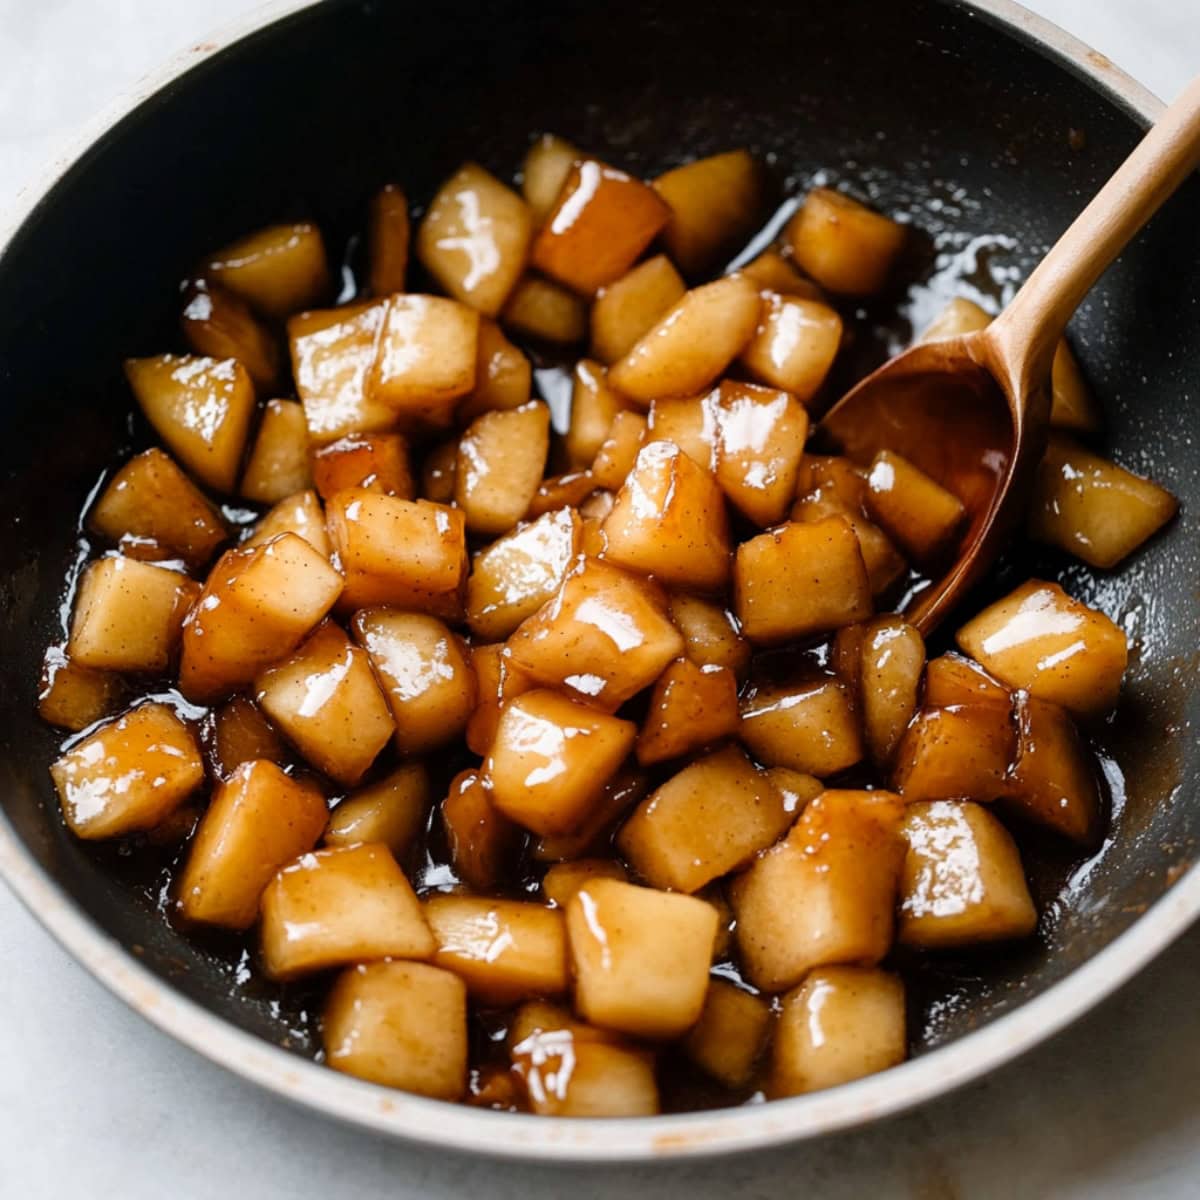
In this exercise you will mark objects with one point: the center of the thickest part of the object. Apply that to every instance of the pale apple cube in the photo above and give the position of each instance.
(731, 1035)
(808, 726)
(278, 270)
(690, 707)
(844, 245)
(300, 514)
(391, 811)
(74, 697)
(631, 306)
(794, 344)
(278, 463)
(501, 458)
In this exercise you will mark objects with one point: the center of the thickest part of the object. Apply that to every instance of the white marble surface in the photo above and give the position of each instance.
(94, 1102)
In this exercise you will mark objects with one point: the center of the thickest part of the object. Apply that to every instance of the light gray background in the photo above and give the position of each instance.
(94, 1102)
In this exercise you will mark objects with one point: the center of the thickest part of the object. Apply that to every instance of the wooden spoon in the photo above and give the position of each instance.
(973, 411)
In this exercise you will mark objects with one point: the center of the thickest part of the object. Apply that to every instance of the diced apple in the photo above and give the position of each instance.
(690, 707)
(387, 241)
(258, 820)
(481, 840)
(952, 680)
(1072, 405)
(917, 513)
(278, 270)
(958, 317)
(826, 893)
(892, 662)
(794, 344)
(399, 1024)
(884, 563)
(593, 834)
(564, 879)
(542, 309)
(845, 246)
(128, 775)
(560, 491)
(796, 787)
(200, 407)
(963, 882)
(300, 514)
(501, 457)
(691, 422)
(774, 273)
(618, 452)
(1040, 639)
(239, 733)
(731, 1034)
(278, 463)
(810, 727)
(74, 697)
(498, 679)
(567, 1076)
(391, 812)
(217, 323)
(594, 407)
(959, 753)
(377, 462)
(503, 376)
(544, 171)
(710, 633)
(631, 306)
(710, 818)
(437, 473)
(845, 660)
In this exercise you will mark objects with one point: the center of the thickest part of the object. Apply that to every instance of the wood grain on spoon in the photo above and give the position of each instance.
(973, 411)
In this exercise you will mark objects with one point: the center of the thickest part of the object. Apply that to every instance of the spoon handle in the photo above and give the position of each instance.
(1028, 330)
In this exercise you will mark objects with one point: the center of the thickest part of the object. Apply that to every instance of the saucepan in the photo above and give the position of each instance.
(985, 126)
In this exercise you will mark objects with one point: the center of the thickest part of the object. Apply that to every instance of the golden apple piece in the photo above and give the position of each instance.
(892, 663)
(959, 317)
(840, 1024)
(566, 1076)
(239, 733)
(618, 452)
(826, 893)
(691, 422)
(332, 353)
(387, 241)
(258, 605)
(800, 579)
(503, 376)
(332, 908)
(399, 1024)
(963, 882)
(151, 501)
(501, 457)
(960, 753)
(406, 553)
(602, 221)
(712, 637)
(377, 462)
(594, 834)
(669, 521)
(1054, 780)
(844, 245)
(437, 473)
(560, 491)
(760, 442)
(1072, 405)
(391, 811)
(692, 344)
(200, 407)
(551, 758)
(794, 344)
(884, 563)
(715, 205)
(482, 842)
(774, 273)
(952, 680)
(278, 463)
(640, 957)
(74, 697)
(546, 311)
(1092, 508)
(514, 576)
(300, 514)
(594, 407)
(845, 660)
(808, 726)
(129, 615)
(425, 673)
(217, 323)
(691, 707)
(629, 307)
(544, 171)
(917, 513)
(497, 679)
(258, 820)
(504, 950)
(129, 775)
(1040, 639)
(564, 879)
(708, 819)
(833, 476)
(474, 238)
(731, 1035)
(796, 787)
(603, 637)
(277, 270)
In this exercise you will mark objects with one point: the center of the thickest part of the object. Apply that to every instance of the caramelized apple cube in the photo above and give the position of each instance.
(503, 376)
(794, 344)
(74, 697)
(691, 422)
(437, 473)
(917, 513)
(517, 574)
(731, 1034)
(690, 707)
(561, 491)
(669, 521)
(715, 205)
(128, 615)
(842, 244)
(551, 759)
(618, 452)
(542, 309)
(257, 606)
(278, 270)
(128, 775)
(810, 727)
(377, 462)
(640, 957)
(826, 893)
(774, 273)
(567, 1076)
(258, 820)
(711, 634)
(200, 407)
(604, 636)
(239, 733)
(544, 171)
(474, 238)
(800, 579)
(884, 563)
(391, 812)
(300, 514)
(387, 241)
(504, 950)
(564, 879)
(959, 753)
(840, 1024)
(705, 821)
(760, 442)
(278, 463)
(1040, 639)
(963, 882)
(629, 307)
(594, 407)
(796, 788)
(1072, 405)
(411, 554)
(593, 834)
(952, 680)
(692, 343)
(217, 323)
(498, 679)
(958, 317)
(482, 841)
(500, 462)
(399, 1024)
(892, 662)
(425, 674)
(1092, 508)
